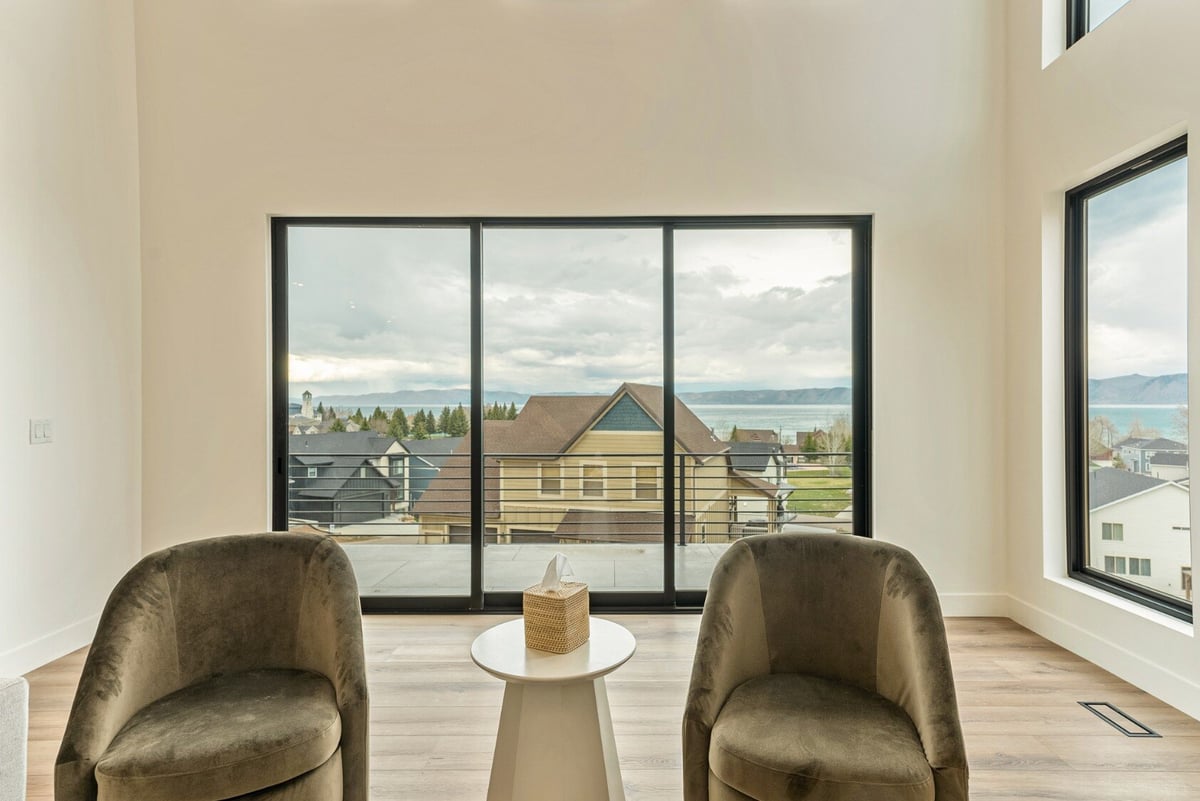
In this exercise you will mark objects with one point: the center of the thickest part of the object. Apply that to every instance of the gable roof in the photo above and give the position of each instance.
(752, 457)
(433, 452)
(690, 430)
(755, 435)
(1108, 485)
(341, 443)
(551, 424)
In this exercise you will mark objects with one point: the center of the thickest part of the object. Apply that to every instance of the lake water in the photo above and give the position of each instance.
(793, 418)
(790, 418)
(1160, 417)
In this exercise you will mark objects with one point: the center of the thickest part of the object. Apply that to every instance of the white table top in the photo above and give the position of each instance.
(501, 651)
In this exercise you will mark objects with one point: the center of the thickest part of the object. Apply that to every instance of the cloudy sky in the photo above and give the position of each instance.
(567, 310)
(1137, 276)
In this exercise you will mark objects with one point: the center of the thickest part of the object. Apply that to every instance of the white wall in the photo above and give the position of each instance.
(70, 335)
(580, 108)
(1124, 88)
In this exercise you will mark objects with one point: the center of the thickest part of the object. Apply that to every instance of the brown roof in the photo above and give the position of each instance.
(592, 525)
(755, 435)
(546, 424)
(449, 492)
(754, 482)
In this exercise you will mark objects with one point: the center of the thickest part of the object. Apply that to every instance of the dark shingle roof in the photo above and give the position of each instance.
(345, 442)
(1110, 484)
(1179, 459)
(752, 457)
(1162, 444)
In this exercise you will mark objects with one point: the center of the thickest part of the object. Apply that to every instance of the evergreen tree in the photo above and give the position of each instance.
(459, 424)
(733, 434)
(418, 429)
(378, 414)
(512, 411)
(443, 423)
(398, 425)
(321, 409)
(337, 427)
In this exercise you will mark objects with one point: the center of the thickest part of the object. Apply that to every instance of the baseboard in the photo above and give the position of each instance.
(45, 649)
(974, 604)
(1168, 686)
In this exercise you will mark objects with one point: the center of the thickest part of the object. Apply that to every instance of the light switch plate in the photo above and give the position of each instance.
(41, 432)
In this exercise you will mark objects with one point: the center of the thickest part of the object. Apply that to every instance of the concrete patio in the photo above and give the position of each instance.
(385, 568)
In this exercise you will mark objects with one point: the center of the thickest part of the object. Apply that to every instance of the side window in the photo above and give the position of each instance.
(1126, 341)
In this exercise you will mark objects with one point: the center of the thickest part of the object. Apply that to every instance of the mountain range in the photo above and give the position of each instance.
(425, 398)
(1124, 389)
(1138, 389)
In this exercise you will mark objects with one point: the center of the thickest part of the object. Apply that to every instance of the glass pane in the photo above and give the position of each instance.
(1100, 10)
(763, 360)
(573, 367)
(1137, 379)
(378, 370)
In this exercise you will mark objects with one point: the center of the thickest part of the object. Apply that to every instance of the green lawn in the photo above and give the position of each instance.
(822, 491)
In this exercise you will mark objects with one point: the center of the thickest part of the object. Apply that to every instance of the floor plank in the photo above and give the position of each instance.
(434, 715)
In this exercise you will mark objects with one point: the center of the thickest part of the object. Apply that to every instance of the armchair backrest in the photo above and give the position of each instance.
(821, 597)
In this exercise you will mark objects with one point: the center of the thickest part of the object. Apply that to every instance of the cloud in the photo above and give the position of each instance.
(1137, 276)
(574, 310)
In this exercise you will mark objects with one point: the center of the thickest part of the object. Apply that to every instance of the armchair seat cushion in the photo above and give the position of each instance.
(225, 737)
(789, 736)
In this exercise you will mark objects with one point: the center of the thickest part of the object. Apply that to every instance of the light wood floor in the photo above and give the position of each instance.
(434, 715)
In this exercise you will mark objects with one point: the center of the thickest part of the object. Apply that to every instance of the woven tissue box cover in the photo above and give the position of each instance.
(556, 620)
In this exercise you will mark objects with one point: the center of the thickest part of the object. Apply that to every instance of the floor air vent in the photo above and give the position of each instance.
(1118, 719)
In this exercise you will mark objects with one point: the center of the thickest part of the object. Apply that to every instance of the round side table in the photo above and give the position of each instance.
(555, 741)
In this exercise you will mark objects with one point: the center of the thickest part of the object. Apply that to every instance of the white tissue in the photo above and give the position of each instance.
(556, 572)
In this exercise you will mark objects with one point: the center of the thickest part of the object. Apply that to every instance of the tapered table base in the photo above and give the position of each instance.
(555, 741)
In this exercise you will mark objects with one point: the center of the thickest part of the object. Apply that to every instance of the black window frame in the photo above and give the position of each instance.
(860, 227)
(1079, 13)
(1075, 394)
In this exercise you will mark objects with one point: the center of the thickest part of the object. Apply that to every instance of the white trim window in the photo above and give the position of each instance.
(312, 472)
(1112, 531)
(550, 479)
(592, 479)
(1139, 567)
(1114, 564)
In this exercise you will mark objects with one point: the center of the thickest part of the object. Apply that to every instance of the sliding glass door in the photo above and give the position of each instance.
(457, 400)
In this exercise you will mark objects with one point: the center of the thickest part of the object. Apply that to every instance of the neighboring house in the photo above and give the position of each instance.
(1139, 529)
(762, 462)
(1169, 466)
(347, 477)
(1137, 452)
(589, 468)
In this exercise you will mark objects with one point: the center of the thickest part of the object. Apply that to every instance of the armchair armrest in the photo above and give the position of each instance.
(914, 671)
(330, 642)
(731, 649)
(134, 660)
